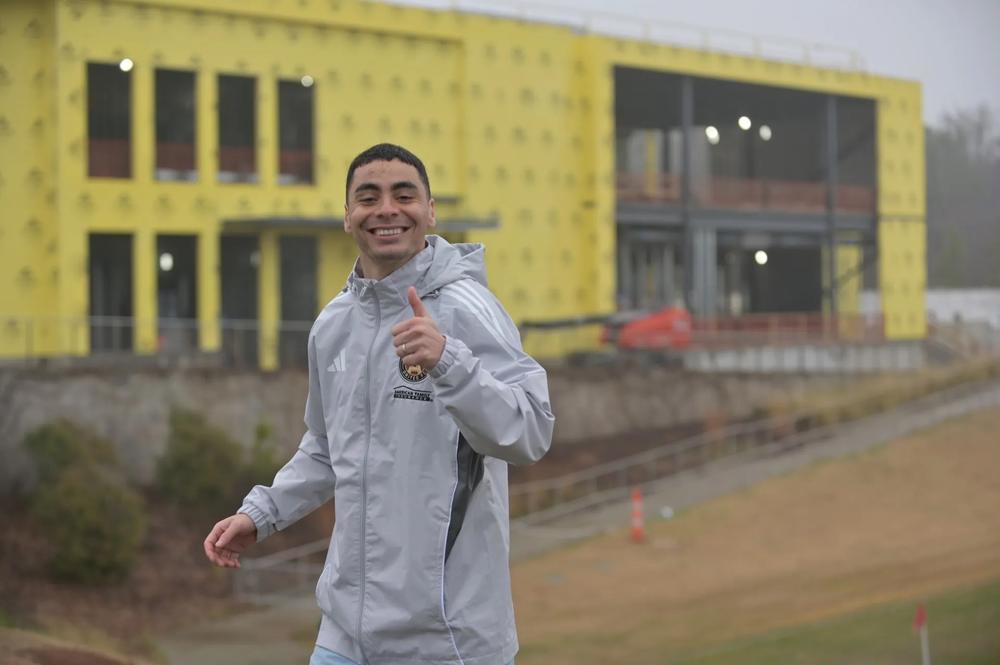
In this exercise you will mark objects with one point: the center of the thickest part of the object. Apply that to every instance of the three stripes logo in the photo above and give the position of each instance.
(340, 362)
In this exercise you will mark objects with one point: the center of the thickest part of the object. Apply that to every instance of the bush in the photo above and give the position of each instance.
(95, 523)
(263, 462)
(201, 467)
(63, 445)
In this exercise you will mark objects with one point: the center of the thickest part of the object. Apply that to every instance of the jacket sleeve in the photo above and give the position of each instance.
(496, 393)
(306, 481)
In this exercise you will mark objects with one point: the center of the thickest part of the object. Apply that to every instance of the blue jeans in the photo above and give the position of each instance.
(321, 656)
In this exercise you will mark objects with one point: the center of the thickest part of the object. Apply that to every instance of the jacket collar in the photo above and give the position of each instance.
(398, 281)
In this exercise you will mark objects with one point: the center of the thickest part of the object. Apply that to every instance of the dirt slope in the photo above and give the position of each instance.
(918, 516)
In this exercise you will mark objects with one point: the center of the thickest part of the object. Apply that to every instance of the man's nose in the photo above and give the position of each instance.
(387, 207)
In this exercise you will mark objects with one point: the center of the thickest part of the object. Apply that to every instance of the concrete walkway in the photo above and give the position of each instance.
(283, 633)
(279, 634)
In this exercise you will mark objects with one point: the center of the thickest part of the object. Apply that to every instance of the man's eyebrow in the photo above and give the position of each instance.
(403, 184)
(365, 187)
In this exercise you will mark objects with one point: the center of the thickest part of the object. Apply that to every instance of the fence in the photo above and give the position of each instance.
(750, 343)
(744, 193)
(754, 342)
(111, 338)
(928, 399)
(664, 32)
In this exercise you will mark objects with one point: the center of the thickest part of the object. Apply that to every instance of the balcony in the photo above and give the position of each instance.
(726, 193)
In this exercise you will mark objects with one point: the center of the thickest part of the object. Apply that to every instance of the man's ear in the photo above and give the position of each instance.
(347, 219)
(433, 218)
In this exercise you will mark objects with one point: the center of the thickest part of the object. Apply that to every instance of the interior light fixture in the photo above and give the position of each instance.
(765, 133)
(760, 257)
(166, 261)
(307, 81)
(712, 134)
(126, 64)
(744, 123)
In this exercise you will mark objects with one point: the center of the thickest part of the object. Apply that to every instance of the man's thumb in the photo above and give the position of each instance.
(415, 302)
(227, 535)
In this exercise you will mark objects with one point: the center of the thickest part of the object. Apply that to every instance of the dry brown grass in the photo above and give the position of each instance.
(916, 517)
(24, 648)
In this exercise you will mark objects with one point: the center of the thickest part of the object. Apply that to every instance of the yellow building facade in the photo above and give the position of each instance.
(515, 122)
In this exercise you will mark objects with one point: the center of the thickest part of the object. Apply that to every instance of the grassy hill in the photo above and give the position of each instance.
(787, 564)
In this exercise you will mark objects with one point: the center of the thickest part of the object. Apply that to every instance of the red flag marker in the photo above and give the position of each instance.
(920, 620)
(638, 527)
(920, 624)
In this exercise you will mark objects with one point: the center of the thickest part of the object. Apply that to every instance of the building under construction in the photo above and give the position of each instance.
(172, 171)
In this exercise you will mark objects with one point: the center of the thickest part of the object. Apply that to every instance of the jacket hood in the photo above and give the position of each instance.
(436, 265)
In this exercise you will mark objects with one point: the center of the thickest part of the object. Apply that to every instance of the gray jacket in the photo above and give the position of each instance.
(417, 570)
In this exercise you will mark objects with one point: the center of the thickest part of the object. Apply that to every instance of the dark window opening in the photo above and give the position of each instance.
(650, 274)
(764, 147)
(790, 281)
(751, 147)
(298, 297)
(856, 155)
(648, 135)
(295, 133)
(239, 259)
(109, 260)
(237, 129)
(175, 125)
(177, 292)
(109, 124)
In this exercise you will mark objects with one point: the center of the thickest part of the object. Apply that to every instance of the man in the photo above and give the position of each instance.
(419, 396)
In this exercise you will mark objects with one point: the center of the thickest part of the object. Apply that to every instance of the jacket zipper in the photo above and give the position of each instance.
(364, 466)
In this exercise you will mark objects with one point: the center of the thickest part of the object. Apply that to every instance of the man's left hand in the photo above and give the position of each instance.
(418, 341)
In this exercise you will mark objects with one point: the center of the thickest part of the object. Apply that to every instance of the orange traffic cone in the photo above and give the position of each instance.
(638, 528)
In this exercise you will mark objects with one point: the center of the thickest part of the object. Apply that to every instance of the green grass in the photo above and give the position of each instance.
(964, 629)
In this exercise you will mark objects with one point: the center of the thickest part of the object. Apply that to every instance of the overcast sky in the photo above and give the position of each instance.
(951, 46)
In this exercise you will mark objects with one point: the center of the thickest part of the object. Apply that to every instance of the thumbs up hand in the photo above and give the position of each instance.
(418, 341)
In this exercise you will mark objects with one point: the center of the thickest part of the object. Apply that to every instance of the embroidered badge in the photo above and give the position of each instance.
(412, 373)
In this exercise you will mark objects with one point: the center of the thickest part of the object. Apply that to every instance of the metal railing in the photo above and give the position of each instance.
(31, 338)
(276, 577)
(544, 500)
(719, 192)
(646, 29)
(766, 335)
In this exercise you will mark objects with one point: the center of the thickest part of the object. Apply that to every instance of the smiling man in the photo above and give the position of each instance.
(419, 397)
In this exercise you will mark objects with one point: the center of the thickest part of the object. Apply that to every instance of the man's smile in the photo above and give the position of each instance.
(384, 231)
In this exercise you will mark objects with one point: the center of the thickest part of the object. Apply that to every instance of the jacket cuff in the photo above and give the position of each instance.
(448, 357)
(259, 518)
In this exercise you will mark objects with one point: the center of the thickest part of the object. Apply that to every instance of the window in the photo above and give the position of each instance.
(175, 125)
(239, 257)
(177, 292)
(237, 128)
(110, 269)
(298, 297)
(295, 131)
(109, 126)
(764, 147)
(856, 155)
(648, 136)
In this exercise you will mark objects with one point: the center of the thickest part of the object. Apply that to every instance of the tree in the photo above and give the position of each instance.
(963, 199)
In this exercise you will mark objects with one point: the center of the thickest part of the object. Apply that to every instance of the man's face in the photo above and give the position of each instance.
(388, 212)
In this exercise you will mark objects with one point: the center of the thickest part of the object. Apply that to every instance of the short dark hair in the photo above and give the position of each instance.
(386, 152)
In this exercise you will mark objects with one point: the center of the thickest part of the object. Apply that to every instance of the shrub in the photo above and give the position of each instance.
(63, 445)
(201, 467)
(95, 523)
(263, 461)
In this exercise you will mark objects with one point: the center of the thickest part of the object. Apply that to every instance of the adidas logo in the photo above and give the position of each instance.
(340, 364)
